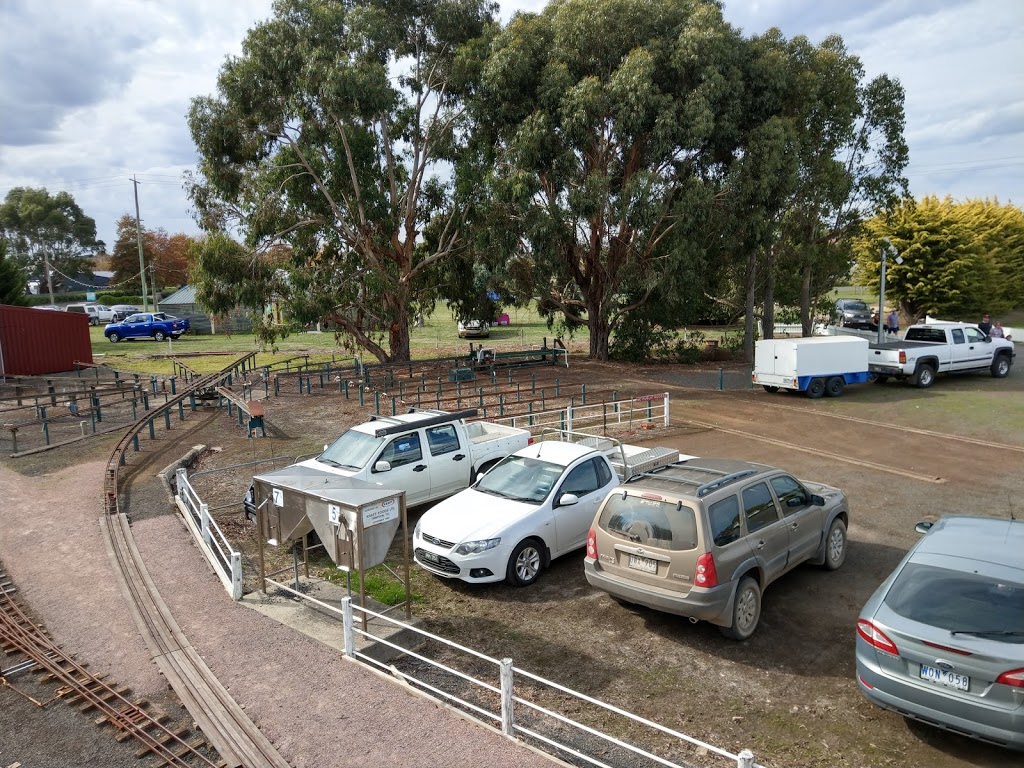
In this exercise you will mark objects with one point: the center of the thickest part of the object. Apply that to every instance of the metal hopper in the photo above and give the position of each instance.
(356, 521)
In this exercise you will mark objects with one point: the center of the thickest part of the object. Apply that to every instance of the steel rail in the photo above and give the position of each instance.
(128, 717)
(222, 721)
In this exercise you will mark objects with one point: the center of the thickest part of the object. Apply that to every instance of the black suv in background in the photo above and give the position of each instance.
(854, 313)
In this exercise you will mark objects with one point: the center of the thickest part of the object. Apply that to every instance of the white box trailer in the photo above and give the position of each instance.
(820, 365)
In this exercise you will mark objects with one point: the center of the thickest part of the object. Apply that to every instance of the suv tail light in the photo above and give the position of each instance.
(705, 574)
(592, 544)
(1014, 677)
(873, 636)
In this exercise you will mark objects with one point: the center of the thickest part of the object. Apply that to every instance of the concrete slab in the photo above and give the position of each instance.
(319, 617)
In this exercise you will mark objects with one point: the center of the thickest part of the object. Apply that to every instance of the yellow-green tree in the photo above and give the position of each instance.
(959, 258)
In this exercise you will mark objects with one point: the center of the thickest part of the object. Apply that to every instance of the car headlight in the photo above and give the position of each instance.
(416, 530)
(476, 547)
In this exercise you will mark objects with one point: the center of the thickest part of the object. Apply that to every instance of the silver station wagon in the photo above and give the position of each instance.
(702, 538)
(942, 640)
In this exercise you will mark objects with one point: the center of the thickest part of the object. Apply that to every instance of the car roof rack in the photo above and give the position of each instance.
(714, 485)
(406, 426)
(667, 474)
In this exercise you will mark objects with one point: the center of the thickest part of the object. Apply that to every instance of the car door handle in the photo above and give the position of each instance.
(760, 544)
(794, 526)
(419, 467)
(458, 457)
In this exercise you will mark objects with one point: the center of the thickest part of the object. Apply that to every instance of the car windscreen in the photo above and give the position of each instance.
(352, 450)
(961, 602)
(650, 522)
(521, 478)
(856, 305)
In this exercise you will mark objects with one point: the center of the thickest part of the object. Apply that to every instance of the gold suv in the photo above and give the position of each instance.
(702, 538)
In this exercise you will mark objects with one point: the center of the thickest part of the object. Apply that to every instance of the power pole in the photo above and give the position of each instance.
(142, 263)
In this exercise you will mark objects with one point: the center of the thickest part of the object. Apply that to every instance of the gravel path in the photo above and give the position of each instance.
(318, 709)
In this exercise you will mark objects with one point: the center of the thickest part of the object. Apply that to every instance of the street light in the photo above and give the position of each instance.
(887, 249)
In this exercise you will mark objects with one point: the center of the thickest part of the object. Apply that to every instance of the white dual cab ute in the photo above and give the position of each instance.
(427, 453)
(532, 507)
(932, 348)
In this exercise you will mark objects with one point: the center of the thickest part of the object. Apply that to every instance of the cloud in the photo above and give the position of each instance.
(53, 63)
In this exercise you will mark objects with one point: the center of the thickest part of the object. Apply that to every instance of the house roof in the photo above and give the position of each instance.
(186, 295)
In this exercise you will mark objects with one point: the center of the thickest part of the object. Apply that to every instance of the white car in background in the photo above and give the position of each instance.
(530, 508)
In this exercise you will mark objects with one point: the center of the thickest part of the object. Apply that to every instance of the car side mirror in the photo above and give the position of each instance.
(382, 466)
(924, 526)
(568, 499)
(818, 501)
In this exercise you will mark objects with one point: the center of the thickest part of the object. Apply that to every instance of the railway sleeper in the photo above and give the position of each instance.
(103, 696)
(169, 737)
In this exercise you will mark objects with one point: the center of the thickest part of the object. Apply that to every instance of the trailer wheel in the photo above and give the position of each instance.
(924, 377)
(769, 388)
(816, 388)
(834, 387)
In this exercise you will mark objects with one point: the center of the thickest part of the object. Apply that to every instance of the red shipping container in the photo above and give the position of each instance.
(38, 341)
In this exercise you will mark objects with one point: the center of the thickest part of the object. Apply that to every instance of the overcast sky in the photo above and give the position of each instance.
(94, 91)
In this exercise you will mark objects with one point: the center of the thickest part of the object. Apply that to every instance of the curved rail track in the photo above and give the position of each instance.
(18, 634)
(222, 721)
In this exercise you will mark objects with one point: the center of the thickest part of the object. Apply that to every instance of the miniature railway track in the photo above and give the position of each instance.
(222, 721)
(19, 635)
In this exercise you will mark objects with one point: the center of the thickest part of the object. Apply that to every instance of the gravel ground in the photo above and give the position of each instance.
(318, 709)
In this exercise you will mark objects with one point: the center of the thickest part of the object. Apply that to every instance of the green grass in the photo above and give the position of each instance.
(380, 584)
(437, 338)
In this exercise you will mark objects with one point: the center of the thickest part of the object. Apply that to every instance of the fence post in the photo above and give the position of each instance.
(236, 576)
(181, 480)
(721, 379)
(350, 635)
(667, 403)
(745, 759)
(204, 521)
(507, 720)
(568, 417)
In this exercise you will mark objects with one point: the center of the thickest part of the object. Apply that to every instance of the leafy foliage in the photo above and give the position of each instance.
(12, 280)
(40, 229)
(166, 256)
(960, 259)
(325, 136)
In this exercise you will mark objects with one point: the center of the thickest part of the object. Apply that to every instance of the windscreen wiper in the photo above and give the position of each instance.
(989, 632)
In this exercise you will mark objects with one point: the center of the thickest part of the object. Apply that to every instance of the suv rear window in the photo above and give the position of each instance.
(650, 522)
(958, 601)
(725, 520)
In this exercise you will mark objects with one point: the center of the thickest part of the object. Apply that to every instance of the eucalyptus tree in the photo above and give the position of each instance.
(331, 134)
(851, 157)
(48, 234)
(612, 125)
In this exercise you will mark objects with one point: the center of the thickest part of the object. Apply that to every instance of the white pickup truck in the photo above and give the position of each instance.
(939, 348)
(532, 507)
(429, 454)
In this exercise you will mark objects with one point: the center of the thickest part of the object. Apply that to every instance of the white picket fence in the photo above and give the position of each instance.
(606, 416)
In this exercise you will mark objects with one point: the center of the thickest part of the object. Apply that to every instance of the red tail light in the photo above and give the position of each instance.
(592, 544)
(529, 441)
(947, 648)
(903, 357)
(872, 635)
(705, 575)
(1014, 677)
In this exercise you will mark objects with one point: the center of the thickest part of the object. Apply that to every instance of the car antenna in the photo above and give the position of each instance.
(1009, 503)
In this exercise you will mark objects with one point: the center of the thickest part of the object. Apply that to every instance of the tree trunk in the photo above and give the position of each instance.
(748, 326)
(599, 335)
(398, 335)
(768, 311)
(806, 321)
